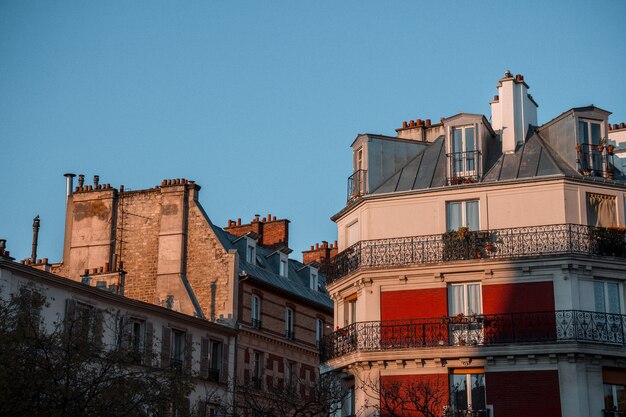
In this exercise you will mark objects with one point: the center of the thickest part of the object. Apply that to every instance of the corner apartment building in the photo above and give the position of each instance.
(159, 246)
(484, 258)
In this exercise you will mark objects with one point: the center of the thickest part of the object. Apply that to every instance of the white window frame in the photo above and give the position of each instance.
(250, 251)
(463, 204)
(255, 311)
(594, 160)
(465, 330)
(350, 311)
(468, 384)
(314, 279)
(620, 292)
(289, 322)
(463, 172)
(283, 265)
(465, 286)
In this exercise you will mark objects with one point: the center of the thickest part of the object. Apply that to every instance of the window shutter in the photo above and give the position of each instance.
(204, 357)
(148, 352)
(188, 351)
(166, 340)
(225, 361)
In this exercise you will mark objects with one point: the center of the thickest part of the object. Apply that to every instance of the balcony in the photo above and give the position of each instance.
(463, 167)
(518, 242)
(595, 160)
(479, 330)
(357, 184)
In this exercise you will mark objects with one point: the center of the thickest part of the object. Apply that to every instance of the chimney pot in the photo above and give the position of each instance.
(496, 98)
(427, 122)
(263, 220)
(441, 120)
(312, 247)
(107, 267)
(239, 221)
(86, 272)
(122, 188)
(507, 74)
(317, 246)
(273, 218)
(81, 180)
(622, 125)
(404, 125)
(45, 261)
(412, 123)
(419, 122)
(96, 180)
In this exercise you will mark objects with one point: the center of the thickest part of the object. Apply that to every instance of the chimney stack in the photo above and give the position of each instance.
(36, 223)
(512, 111)
(69, 185)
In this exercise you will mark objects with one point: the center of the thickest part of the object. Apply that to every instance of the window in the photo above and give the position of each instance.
(250, 252)
(283, 266)
(607, 297)
(589, 137)
(178, 349)
(467, 390)
(257, 369)
(462, 214)
(348, 403)
(256, 311)
(463, 150)
(319, 331)
(464, 303)
(614, 390)
(290, 374)
(313, 283)
(137, 334)
(601, 210)
(289, 323)
(350, 310)
(215, 360)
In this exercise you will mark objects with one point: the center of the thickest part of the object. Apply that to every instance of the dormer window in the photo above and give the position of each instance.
(250, 251)
(463, 154)
(314, 279)
(283, 266)
(589, 139)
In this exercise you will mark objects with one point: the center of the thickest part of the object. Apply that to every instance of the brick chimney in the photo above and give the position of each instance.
(272, 233)
(322, 254)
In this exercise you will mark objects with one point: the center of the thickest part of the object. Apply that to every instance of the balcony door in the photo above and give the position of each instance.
(467, 391)
(464, 309)
(463, 152)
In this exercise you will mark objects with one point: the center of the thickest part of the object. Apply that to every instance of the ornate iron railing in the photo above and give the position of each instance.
(463, 167)
(478, 330)
(466, 413)
(595, 160)
(518, 242)
(357, 184)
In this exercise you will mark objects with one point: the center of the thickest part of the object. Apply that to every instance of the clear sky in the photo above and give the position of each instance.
(258, 101)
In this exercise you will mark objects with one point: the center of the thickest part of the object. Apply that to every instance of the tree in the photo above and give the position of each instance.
(298, 398)
(402, 397)
(64, 368)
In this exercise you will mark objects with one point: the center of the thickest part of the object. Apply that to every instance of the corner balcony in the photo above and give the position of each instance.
(511, 243)
(478, 330)
(357, 185)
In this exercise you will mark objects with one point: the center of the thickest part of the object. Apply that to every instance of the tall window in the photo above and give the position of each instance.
(589, 136)
(257, 369)
(607, 297)
(255, 311)
(250, 253)
(462, 214)
(350, 310)
(137, 338)
(313, 280)
(463, 151)
(464, 299)
(319, 331)
(467, 389)
(215, 361)
(601, 210)
(289, 323)
(178, 349)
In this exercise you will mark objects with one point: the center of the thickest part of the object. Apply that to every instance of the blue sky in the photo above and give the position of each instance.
(258, 101)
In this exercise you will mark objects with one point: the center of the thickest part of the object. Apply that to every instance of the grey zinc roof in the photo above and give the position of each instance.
(297, 281)
(427, 169)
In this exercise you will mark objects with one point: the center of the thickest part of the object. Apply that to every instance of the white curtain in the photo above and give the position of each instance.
(472, 215)
(601, 210)
(454, 216)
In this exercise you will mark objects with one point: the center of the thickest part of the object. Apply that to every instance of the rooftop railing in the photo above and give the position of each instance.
(477, 330)
(357, 184)
(518, 242)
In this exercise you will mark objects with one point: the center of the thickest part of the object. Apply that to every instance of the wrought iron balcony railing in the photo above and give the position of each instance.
(463, 167)
(357, 184)
(466, 413)
(518, 242)
(479, 330)
(595, 160)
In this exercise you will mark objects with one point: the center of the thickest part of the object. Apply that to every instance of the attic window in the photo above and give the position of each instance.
(250, 251)
(283, 266)
(314, 279)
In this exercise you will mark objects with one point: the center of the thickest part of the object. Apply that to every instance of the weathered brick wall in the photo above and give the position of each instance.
(210, 268)
(138, 220)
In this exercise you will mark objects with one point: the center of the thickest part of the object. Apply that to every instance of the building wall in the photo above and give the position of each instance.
(524, 393)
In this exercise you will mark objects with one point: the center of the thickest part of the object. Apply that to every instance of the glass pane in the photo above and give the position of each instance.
(595, 133)
(474, 303)
(472, 214)
(478, 392)
(583, 133)
(613, 297)
(458, 392)
(453, 216)
(621, 397)
(457, 140)
(608, 397)
(598, 292)
(457, 300)
(469, 139)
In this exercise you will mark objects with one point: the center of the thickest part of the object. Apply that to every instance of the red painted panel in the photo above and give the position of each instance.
(523, 394)
(518, 298)
(411, 395)
(411, 304)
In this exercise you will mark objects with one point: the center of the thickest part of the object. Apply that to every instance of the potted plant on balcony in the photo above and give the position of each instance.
(463, 244)
(608, 241)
